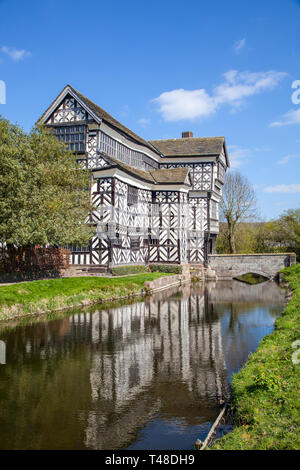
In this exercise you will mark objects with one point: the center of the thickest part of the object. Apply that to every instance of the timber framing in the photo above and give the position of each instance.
(153, 202)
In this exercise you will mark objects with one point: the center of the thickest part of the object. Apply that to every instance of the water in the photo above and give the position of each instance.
(148, 375)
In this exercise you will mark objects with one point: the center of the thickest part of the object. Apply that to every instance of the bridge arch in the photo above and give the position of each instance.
(264, 264)
(256, 271)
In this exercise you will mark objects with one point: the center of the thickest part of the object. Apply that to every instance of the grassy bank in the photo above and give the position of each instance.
(49, 295)
(266, 391)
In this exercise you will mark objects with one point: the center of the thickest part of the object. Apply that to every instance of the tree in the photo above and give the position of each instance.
(281, 235)
(238, 204)
(44, 197)
(245, 238)
(290, 222)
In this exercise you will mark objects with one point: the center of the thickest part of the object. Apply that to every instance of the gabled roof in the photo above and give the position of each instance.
(198, 146)
(102, 114)
(163, 176)
(189, 146)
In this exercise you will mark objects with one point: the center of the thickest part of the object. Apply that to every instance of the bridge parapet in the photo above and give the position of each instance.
(265, 264)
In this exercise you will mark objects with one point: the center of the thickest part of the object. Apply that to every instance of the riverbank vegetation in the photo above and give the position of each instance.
(133, 269)
(166, 268)
(266, 391)
(36, 297)
(281, 235)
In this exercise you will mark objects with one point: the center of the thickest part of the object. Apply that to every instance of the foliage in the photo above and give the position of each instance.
(238, 204)
(267, 381)
(166, 268)
(277, 236)
(251, 278)
(266, 390)
(40, 296)
(43, 196)
(121, 270)
(36, 262)
(246, 234)
(281, 235)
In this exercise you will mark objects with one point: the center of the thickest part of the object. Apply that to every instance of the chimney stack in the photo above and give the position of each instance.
(187, 134)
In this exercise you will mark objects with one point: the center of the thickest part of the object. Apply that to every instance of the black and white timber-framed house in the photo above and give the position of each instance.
(154, 202)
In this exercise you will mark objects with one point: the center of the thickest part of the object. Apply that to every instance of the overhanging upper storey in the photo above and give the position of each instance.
(153, 178)
(206, 157)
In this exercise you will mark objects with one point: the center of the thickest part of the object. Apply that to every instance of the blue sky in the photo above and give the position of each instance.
(162, 67)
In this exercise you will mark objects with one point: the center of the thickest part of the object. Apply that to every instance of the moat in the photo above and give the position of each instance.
(145, 375)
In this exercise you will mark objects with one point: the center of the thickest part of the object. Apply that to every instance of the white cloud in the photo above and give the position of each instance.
(183, 104)
(237, 156)
(291, 117)
(240, 85)
(15, 54)
(286, 159)
(283, 188)
(238, 45)
(259, 186)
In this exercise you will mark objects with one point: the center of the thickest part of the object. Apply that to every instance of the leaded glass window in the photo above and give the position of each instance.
(73, 136)
(213, 210)
(79, 249)
(123, 153)
(132, 196)
(221, 172)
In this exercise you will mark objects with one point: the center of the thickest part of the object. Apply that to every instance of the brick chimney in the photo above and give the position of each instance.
(187, 134)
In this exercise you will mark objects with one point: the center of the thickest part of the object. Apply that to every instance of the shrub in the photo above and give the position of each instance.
(166, 268)
(123, 270)
(35, 260)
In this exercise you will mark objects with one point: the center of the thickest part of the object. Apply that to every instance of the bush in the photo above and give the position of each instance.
(34, 260)
(123, 270)
(166, 268)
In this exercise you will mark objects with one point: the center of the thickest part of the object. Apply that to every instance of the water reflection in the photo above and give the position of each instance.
(146, 375)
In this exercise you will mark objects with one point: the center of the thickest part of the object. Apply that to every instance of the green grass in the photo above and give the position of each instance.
(49, 295)
(166, 268)
(266, 395)
(135, 269)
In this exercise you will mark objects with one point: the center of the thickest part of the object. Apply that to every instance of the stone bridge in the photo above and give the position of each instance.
(265, 264)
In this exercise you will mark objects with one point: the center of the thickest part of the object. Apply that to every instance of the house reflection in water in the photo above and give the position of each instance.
(161, 356)
(103, 378)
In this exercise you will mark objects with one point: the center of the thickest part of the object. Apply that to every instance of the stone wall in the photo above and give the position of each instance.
(266, 264)
(166, 282)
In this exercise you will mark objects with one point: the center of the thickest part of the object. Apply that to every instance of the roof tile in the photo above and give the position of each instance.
(189, 146)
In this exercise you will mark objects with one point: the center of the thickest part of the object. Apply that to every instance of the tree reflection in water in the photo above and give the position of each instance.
(126, 375)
